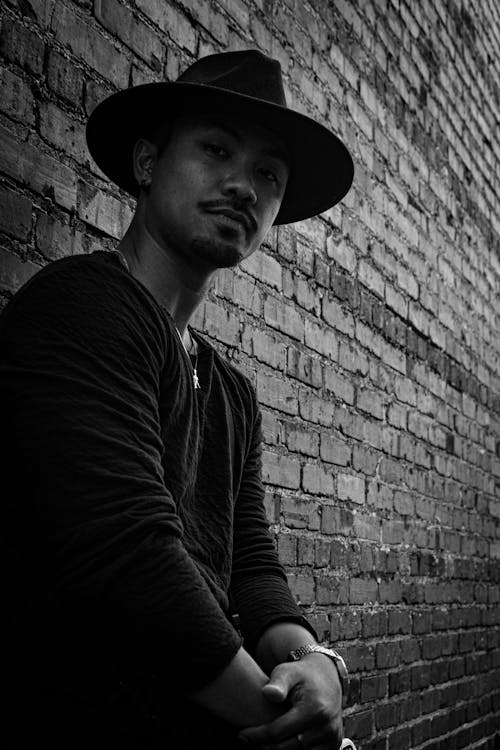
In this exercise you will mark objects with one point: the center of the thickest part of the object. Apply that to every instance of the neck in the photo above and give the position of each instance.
(173, 283)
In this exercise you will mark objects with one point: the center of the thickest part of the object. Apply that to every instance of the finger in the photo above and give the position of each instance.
(317, 738)
(283, 728)
(281, 681)
(275, 692)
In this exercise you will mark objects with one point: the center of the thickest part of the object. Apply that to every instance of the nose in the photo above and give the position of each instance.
(238, 184)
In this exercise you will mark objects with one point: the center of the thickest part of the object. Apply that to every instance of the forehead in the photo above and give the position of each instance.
(237, 128)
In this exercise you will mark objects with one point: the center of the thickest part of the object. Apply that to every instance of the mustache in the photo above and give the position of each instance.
(236, 206)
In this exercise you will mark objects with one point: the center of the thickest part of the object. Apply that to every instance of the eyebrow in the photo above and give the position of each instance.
(275, 152)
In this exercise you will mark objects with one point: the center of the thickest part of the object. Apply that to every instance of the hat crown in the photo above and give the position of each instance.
(249, 72)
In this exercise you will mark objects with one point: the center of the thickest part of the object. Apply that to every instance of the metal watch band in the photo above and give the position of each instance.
(311, 648)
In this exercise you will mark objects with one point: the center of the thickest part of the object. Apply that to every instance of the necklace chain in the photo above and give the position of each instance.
(196, 380)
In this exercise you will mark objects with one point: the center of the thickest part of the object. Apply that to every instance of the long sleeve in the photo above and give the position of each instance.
(259, 588)
(84, 350)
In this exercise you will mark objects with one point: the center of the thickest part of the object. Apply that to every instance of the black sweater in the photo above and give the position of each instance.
(137, 497)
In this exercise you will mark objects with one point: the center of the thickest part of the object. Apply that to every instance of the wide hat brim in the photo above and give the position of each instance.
(322, 168)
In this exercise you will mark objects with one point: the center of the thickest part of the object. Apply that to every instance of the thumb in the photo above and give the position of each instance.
(277, 689)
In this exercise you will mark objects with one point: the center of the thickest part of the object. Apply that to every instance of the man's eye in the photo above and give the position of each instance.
(215, 149)
(269, 175)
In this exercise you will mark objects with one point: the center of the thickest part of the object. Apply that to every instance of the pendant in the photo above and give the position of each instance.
(196, 380)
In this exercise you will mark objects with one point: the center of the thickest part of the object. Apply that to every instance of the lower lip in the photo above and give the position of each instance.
(229, 222)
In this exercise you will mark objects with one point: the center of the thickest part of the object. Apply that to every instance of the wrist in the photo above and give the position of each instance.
(309, 650)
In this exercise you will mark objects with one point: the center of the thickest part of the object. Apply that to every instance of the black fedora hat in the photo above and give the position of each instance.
(248, 84)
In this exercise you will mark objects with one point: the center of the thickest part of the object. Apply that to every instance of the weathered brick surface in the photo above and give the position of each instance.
(371, 332)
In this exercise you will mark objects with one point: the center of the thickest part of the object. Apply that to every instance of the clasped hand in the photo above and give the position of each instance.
(311, 695)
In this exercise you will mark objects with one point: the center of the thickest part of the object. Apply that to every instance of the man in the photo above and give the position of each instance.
(148, 607)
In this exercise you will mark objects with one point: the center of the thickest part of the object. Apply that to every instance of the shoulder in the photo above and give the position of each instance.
(100, 273)
(91, 295)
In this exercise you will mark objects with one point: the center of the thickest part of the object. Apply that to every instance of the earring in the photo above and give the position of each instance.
(145, 182)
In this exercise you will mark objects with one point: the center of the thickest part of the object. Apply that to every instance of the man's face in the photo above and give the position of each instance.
(216, 190)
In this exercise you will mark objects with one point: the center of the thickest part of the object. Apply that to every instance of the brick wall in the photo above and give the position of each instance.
(371, 332)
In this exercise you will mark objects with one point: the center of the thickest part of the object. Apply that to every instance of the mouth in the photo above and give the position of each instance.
(235, 219)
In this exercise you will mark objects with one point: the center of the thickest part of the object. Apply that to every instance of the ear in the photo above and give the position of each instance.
(144, 157)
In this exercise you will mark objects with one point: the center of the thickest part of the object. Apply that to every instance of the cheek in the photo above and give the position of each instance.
(270, 208)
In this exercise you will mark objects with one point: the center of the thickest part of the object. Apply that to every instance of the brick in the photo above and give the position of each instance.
(287, 548)
(103, 211)
(322, 340)
(404, 503)
(302, 441)
(122, 23)
(90, 45)
(397, 416)
(374, 623)
(302, 587)
(271, 427)
(277, 392)
(350, 624)
(15, 214)
(304, 367)
(54, 238)
(351, 358)
(371, 278)
(388, 654)
(339, 385)
(390, 592)
(21, 45)
(331, 591)
(16, 98)
(14, 272)
(387, 715)
(305, 551)
(359, 724)
(334, 451)
(64, 78)
(206, 15)
(264, 268)
(399, 622)
(359, 116)
(421, 622)
(300, 513)
(362, 591)
(249, 297)
(267, 348)
(342, 253)
(350, 487)
(280, 470)
(316, 480)
(171, 21)
(371, 402)
(336, 520)
(393, 532)
(367, 527)
(373, 688)
(380, 496)
(37, 170)
(338, 554)
(284, 318)
(340, 319)
(221, 324)
(315, 409)
(306, 296)
(63, 132)
(322, 553)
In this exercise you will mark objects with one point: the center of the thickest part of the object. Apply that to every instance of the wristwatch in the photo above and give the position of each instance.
(315, 648)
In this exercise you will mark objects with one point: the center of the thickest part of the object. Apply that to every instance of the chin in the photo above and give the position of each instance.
(218, 253)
